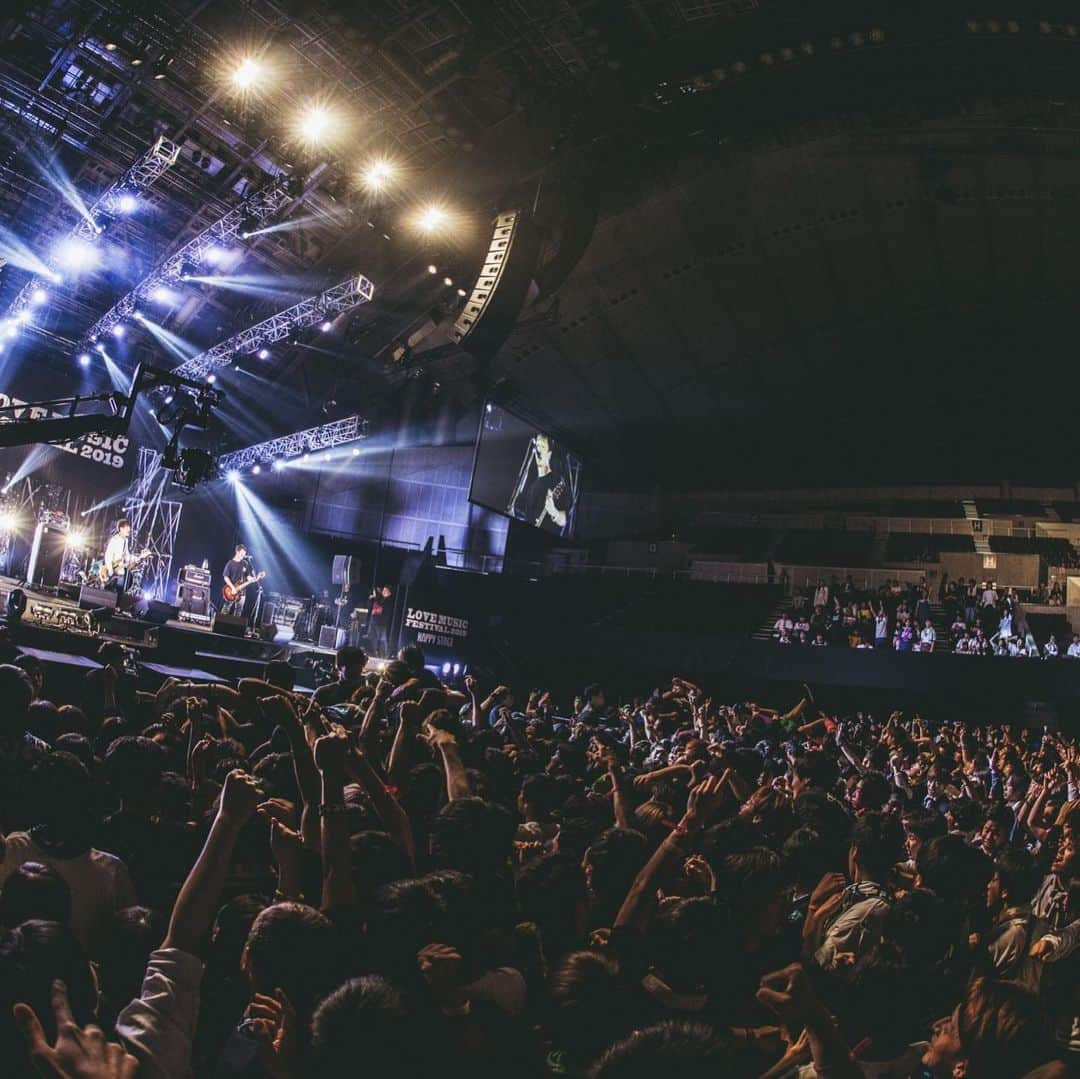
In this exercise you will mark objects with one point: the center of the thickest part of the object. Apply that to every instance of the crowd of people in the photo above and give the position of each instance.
(978, 620)
(396, 876)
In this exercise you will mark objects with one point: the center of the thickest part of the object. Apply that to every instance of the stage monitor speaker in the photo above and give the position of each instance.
(267, 631)
(497, 297)
(91, 599)
(231, 625)
(157, 612)
(331, 637)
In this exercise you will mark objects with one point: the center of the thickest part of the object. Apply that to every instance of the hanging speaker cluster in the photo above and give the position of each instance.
(499, 294)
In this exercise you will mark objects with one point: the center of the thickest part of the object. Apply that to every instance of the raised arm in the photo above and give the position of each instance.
(331, 751)
(457, 780)
(200, 895)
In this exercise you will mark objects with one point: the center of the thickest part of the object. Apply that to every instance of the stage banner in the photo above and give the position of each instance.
(427, 627)
(442, 613)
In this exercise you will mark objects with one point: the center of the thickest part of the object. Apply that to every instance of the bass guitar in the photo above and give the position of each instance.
(230, 594)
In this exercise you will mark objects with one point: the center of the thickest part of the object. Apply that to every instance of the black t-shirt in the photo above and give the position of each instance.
(238, 570)
(536, 499)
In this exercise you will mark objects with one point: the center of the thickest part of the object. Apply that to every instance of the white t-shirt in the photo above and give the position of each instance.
(782, 624)
(117, 551)
(881, 626)
(1074, 650)
(100, 884)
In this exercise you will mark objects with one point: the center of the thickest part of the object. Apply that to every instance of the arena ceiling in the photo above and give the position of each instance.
(819, 241)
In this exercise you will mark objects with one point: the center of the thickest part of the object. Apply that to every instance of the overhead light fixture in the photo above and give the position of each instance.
(378, 174)
(118, 330)
(448, 281)
(316, 124)
(432, 218)
(263, 354)
(84, 359)
(432, 268)
(462, 292)
(127, 203)
(75, 254)
(247, 73)
(326, 326)
(256, 469)
(233, 476)
(110, 46)
(211, 379)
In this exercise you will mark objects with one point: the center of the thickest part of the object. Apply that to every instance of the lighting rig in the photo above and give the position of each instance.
(64, 419)
(113, 202)
(197, 255)
(311, 312)
(313, 440)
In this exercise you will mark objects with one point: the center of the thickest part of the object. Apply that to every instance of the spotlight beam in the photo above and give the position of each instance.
(335, 301)
(258, 207)
(326, 437)
(140, 176)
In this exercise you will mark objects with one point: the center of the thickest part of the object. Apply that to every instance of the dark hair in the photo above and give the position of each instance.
(412, 655)
(351, 655)
(295, 948)
(34, 891)
(924, 824)
(751, 879)
(280, 674)
(880, 843)
(134, 766)
(816, 769)
(1018, 874)
(1002, 816)
(541, 792)
(122, 523)
(810, 855)
(675, 1049)
(551, 893)
(16, 691)
(473, 835)
(1001, 1030)
(78, 745)
(615, 857)
(875, 790)
(953, 870)
(239, 547)
(63, 796)
(587, 1004)
(364, 1019)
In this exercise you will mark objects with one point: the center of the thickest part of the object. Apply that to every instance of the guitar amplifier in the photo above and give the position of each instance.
(194, 575)
(193, 599)
(331, 637)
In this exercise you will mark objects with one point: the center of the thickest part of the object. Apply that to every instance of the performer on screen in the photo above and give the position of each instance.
(544, 498)
(240, 592)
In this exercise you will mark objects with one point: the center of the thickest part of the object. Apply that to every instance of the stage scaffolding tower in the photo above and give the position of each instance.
(155, 521)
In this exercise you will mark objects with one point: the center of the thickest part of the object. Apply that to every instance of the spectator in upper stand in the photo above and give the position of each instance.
(927, 637)
(821, 594)
(1074, 647)
(782, 625)
(1050, 649)
(989, 595)
(881, 627)
(818, 641)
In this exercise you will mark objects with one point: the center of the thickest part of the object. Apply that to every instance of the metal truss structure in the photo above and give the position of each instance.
(335, 301)
(139, 177)
(248, 216)
(312, 440)
(155, 522)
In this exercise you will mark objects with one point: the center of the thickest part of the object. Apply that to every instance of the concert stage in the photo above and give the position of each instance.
(67, 639)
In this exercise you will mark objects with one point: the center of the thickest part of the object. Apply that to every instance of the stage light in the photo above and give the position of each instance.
(445, 669)
(462, 292)
(110, 46)
(99, 348)
(247, 226)
(378, 174)
(84, 359)
(457, 669)
(188, 269)
(138, 316)
(326, 326)
(315, 125)
(118, 330)
(248, 72)
(23, 317)
(305, 457)
(169, 399)
(232, 476)
(256, 469)
(55, 278)
(211, 379)
(161, 294)
(75, 538)
(9, 520)
(75, 254)
(432, 268)
(448, 281)
(213, 255)
(38, 296)
(264, 354)
(431, 219)
(278, 465)
(355, 452)
(127, 203)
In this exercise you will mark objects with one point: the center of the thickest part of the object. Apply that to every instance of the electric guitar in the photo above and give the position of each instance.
(106, 572)
(550, 508)
(230, 594)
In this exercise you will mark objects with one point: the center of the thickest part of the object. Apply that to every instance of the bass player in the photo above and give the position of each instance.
(239, 576)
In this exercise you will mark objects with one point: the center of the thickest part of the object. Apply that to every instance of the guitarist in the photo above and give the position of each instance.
(239, 573)
(118, 560)
(547, 496)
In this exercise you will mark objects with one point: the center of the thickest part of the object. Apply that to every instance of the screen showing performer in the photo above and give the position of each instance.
(240, 590)
(524, 473)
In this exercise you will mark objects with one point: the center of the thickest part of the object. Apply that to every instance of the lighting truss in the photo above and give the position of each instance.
(256, 209)
(312, 440)
(139, 177)
(155, 521)
(335, 301)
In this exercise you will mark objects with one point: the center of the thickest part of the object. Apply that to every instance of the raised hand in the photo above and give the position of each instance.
(79, 1052)
(331, 751)
(704, 799)
(239, 797)
(272, 1021)
(279, 809)
(441, 967)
